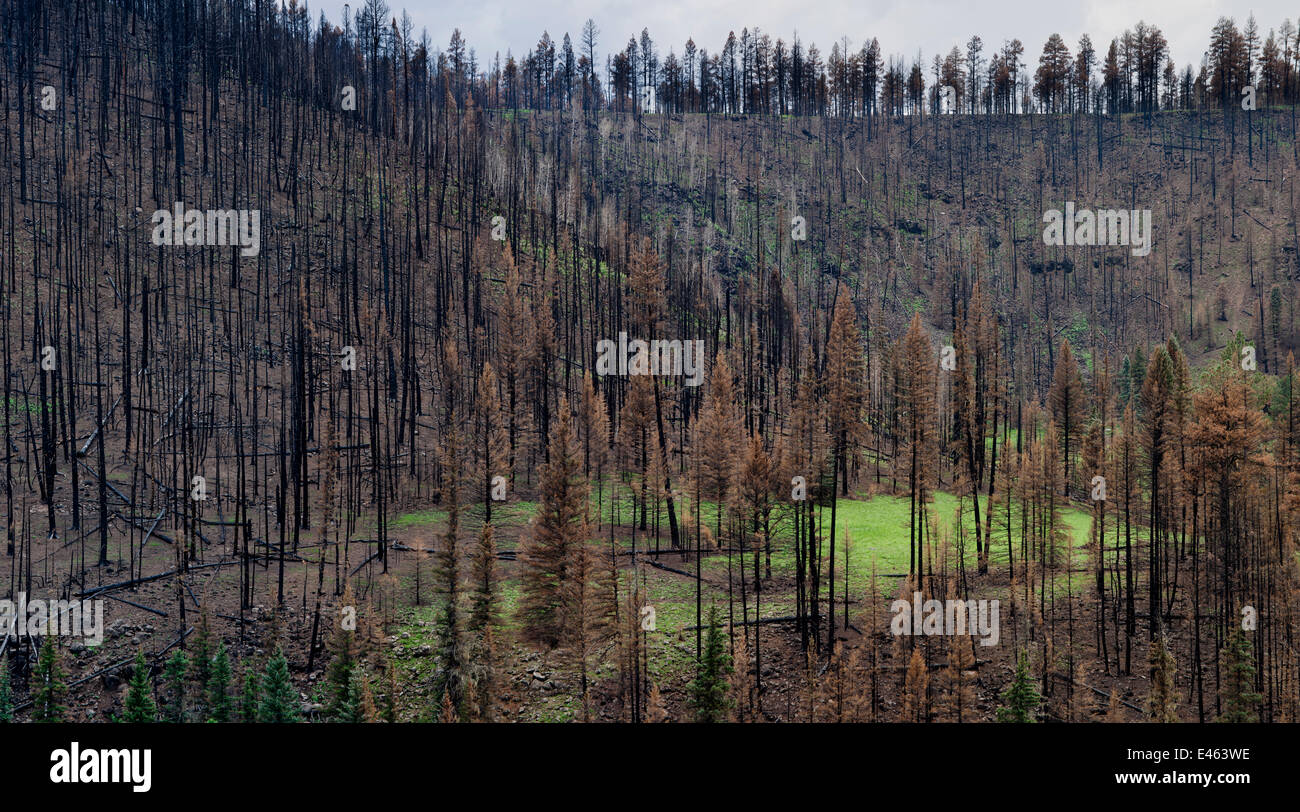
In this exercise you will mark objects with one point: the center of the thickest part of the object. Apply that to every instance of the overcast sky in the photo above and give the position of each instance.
(902, 26)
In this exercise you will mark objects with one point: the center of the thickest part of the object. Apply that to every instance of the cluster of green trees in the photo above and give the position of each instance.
(753, 73)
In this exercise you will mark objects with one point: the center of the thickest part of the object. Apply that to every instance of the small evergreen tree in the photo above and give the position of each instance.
(708, 691)
(362, 699)
(251, 696)
(1114, 711)
(655, 710)
(1020, 697)
(201, 662)
(139, 706)
(959, 697)
(1240, 703)
(346, 705)
(174, 674)
(916, 688)
(218, 687)
(6, 691)
(448, 714)
(47, 700)
(342, 700)
(279, 699)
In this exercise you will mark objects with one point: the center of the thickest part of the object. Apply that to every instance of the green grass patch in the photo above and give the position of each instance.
(419, 518)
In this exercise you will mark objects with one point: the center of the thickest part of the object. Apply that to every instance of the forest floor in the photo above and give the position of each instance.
(542, 686)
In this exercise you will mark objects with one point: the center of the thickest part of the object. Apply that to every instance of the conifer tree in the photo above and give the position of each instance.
(251, 695)
(1020, 699)
(1227, 438)
(1114, 710)
(1137, 374)
(365, 710)
(857, 688)
(589, 620)
(632, 649)
(338, 675)
(483, 601)
(218, 688)
(559, 527)
(494, 446)
(1204, 469)
(845, 382)
(201, 659)
(347, 708)
(979, 395)
(50, 690)
(916, 688)
(754, 484)
(916, 400)
(1054, 532)
(279, 700)
(139, 705)
(1068, 401)
(655, 710)
(960, 698)
(645, 287)
(447, 714)
(717, 435)
(174, 675)
(593, 430)
(517, 330)
(708, 690)
(636, 443)
(1240, 700)
(6, 691)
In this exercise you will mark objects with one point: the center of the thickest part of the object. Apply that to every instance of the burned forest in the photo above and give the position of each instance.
(354, 372)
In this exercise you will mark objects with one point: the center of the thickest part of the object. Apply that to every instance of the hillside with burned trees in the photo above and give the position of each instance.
(356, 377)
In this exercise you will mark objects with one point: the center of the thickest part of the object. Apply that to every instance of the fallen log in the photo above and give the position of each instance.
(358, 567)
(114, 667)
(100, 590)
(136, 605)
(667, 568)
(107, 484)
(101, 425)
(759, 622)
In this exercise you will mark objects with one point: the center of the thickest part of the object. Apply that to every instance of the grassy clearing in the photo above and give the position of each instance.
(419, 518)
(878, 532)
